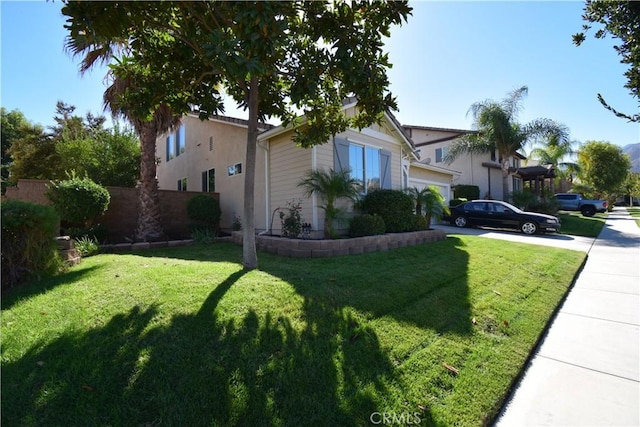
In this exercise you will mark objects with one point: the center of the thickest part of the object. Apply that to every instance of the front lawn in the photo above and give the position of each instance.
(634, 211)
(574, 223)
(434, 333)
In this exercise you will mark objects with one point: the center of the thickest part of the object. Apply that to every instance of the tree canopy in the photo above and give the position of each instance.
(78, 145)
(621, 20)
(275, 59)
(499, 131)
(604, 167)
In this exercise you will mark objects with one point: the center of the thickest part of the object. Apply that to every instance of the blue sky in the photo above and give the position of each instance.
(448, 56)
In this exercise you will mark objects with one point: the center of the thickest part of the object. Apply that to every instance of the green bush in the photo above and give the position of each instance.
(205, 210)
(78, 201)
(366, 225)
(529, 201)
(394, 206)
(97, 232)
(87, 246)
(469, 192)
(455, 202)
(420, 223)
(291, 221)
(28, 242)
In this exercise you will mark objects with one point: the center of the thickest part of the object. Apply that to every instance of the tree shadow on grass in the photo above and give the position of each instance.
(43, 285)
(325, 366)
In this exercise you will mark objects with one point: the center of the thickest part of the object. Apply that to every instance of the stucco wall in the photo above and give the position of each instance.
(213, 144)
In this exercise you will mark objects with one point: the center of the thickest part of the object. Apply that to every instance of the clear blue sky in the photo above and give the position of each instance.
(448, 56)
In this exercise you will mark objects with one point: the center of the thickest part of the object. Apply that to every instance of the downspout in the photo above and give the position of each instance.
(267, 199)
(314, 196)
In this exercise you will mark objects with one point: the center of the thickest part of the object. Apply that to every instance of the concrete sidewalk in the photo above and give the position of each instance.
(586, 372)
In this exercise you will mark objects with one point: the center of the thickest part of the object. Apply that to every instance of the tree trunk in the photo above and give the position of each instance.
(249, 255)
(505, 178)
(149, 227)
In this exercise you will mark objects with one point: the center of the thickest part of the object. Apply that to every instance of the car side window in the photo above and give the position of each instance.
(500, 209)
(478, 207)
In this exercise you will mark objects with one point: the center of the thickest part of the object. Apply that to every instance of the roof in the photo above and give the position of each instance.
(434, 168)
(348, 103)
(233, 120)
(461, 131)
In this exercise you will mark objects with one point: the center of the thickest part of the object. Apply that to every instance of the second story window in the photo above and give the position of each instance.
(171, 146)
(181, 143)
(441, 154)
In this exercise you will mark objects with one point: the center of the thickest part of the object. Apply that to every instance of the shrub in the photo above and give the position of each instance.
(205, 210)
(455, 202)
(28, 241)
(394, 206)
(78, 201)
(291, 221)
(87, 246)
(420, 223)
(366, 225)
(97, 232)
(203, 235)
(469, 192)
(529, 201)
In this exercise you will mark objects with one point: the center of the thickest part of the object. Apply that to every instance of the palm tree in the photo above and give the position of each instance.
(553, 153)
(95, 49)
(330, 186)
(431, 200)
(149, 226)
(498, 131)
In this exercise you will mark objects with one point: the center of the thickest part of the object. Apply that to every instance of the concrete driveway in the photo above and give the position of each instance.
(576, 243)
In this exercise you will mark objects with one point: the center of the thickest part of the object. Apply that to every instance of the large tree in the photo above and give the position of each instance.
(14, 126)
(275, 59)
(498, 131)
(75, 144)
(620, 20)
(604, 166)
(558, 154)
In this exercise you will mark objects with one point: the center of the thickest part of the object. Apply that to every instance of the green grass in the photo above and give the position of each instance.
(634, 211)
(184, 336)
(574, 223)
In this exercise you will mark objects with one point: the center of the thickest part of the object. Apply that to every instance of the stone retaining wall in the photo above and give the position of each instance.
(327, 248)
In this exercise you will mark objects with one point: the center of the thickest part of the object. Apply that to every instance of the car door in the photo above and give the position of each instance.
(503, 217)
(478, 213)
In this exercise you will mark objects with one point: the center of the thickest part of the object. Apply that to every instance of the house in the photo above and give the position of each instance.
(482, 170)
(209, 156)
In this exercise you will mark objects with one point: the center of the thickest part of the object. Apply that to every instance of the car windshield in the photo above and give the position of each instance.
(510, 206)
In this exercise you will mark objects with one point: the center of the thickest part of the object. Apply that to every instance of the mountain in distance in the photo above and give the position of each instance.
(633, 150)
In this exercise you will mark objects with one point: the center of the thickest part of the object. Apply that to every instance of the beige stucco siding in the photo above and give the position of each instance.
(227, 148)
(469, 165)
(420, 178)
(288, 164)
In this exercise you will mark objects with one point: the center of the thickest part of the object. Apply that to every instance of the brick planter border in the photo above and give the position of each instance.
(298, 248)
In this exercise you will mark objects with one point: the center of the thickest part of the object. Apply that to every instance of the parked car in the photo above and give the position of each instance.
(576, 202)
(494, 213)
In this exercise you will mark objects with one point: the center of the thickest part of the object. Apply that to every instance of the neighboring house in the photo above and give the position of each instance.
(482, 170)
(382, 156)
(208, 155)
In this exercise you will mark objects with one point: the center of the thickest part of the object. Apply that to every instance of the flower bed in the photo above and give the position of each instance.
(327, 248)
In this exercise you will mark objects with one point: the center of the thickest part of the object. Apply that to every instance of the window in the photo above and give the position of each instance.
(171, 146)
(234, 169)
(369, 165)
(182, 184)
(365, 166)
(441, 153)
(210, 143)
(209, 181)
(181, 142)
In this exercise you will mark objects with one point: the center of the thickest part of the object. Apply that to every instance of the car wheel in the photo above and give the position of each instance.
(588, 211)
(461, 221)
(529, 227)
